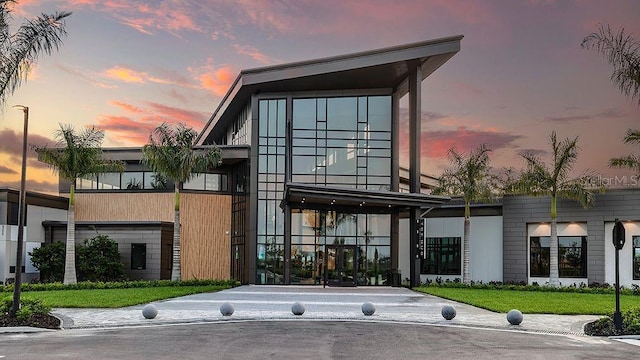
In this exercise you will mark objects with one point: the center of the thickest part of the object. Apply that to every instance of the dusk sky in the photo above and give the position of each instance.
(128, 65)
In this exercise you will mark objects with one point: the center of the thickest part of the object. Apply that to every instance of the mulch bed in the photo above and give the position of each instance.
(41, 321)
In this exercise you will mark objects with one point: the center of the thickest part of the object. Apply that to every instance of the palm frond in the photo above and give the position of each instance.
(630, 161)
(468, 176)
(19, 51)
(170, 153)
(632, 137)
(77, 155)
(622, 51)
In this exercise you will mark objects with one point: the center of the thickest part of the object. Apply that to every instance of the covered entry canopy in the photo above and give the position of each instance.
(313, 196)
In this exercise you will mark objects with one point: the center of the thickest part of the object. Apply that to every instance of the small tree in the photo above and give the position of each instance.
(470, 178)
(77, 155)
(538, 179)
(171, 154)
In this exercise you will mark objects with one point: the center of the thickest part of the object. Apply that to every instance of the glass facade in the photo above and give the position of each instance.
(343, 142)
(334, 142)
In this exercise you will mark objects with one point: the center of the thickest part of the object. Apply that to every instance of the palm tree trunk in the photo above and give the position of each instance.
(176, 274)
(554, 279)
(466, 270)
(70, 253)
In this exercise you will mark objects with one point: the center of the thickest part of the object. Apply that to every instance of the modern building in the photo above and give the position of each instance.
(310, 191)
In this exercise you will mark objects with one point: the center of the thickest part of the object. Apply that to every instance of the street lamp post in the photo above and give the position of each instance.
(22, 206)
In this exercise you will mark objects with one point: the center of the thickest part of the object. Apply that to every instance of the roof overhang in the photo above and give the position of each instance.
(386, 68)
(230, 154)
(323, 197)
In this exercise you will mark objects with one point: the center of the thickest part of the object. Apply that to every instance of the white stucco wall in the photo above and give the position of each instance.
(625, 256)
(486, 245)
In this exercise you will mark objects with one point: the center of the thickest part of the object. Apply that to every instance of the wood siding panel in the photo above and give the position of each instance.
(205, 219)
(124, 207)
(206, 248)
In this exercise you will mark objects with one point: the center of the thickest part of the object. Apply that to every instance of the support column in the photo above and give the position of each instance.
(415, 111)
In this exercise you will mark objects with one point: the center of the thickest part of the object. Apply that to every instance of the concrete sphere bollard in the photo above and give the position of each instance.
(149, 311)
(297, 308)
(514, 317)
(368, 309)
(226, 309)
(448, 312)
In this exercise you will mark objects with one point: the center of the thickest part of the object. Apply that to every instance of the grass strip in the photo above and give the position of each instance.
(114, 298)
(532, 302)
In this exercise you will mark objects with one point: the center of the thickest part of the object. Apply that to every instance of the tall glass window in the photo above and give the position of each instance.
(270, 218)
(343, 142)
(572, 256)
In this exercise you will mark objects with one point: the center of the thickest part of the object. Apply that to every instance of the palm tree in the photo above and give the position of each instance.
(77, 155)
(470, 178)
(623, 53)
(20, 50)
(538, 179)
(171, 154)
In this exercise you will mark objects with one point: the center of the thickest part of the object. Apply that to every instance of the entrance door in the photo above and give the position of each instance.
(341, 265)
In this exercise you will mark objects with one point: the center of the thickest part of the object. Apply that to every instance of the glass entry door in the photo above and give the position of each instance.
(341, 265)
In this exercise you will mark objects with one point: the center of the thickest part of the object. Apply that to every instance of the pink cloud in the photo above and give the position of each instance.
(126, 130)
(126, 75)
(127, 107)
(162, 15)
(85, 76)
(219, 80)
(436, 143)
(134, 129)
(255, 54)
(11, 142)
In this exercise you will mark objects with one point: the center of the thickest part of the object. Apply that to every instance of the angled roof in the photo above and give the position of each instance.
(374, 69)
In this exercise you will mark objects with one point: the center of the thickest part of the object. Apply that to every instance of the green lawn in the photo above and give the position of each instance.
(113, 298)
(535, 302)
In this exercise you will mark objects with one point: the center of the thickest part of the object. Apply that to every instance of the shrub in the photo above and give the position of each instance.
(87, 285)
(28, 308)
(49, 260)
(605, 326)
(98, 259)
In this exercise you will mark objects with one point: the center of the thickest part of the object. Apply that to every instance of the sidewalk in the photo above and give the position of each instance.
(344, 304)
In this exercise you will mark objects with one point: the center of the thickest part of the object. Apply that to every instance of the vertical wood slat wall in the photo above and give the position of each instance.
(206, 221)
(205, 218)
